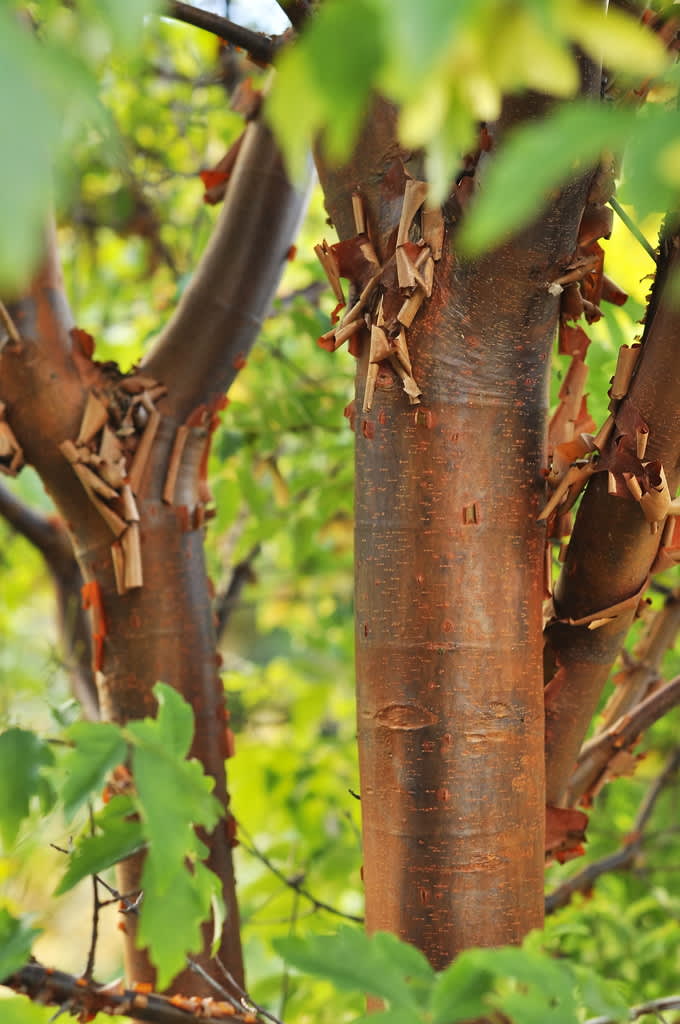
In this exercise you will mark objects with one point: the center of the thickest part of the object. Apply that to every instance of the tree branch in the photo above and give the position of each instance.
(596, 755)
(228, 598)
(221, 312)
(52, 541)
(295, 882)
(612, 548)
(654, 1006)
(261, 47)
(84, 997)
(620, 859)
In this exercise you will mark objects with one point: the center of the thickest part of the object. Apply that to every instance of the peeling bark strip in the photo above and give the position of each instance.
(449, 559)
(627, 505)
(386, 305)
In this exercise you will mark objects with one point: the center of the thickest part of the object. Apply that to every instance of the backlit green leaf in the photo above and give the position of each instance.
(22, 759)
(118, 835)
(16, 940)
(98, 748)
(535, 159)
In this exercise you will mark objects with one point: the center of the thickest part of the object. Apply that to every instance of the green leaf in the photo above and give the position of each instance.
(126, 19)
(16, 940)
(119, 835)
(168, 901)
(399, 1015)
(540, 970)
(601, 996)
(614, 38)
(98, 748)
(20, 1010)
(459, 991)
(22, 759)
(173, 795)
(175, 719)
(351, 960)
(535, 159)
(25, 167)
(533, 1007)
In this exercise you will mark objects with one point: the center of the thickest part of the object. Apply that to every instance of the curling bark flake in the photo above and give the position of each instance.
(449, 564)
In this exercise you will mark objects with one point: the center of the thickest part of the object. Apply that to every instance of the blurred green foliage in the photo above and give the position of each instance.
(135, 131)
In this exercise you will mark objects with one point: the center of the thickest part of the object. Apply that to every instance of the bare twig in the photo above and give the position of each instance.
(622, 858)
(642, 672)
(632, 227)
(247, 1001)
(262, 48)
(228, 598)
(654, 1006)
(295, 882)
(596, 754)
(11, 328)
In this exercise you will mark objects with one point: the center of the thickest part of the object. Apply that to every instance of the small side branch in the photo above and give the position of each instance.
(84, 997)
(654, 1006)
(295, 882)
(622, 858)
(50, 538)
(262, 48)
(596, 754)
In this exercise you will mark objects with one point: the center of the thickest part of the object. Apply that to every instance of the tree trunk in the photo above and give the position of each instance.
(449, 571)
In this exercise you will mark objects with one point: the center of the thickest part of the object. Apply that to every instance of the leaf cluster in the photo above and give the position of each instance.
(157, 805)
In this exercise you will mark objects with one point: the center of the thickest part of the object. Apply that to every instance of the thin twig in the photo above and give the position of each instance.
(130, 901)
(213, 984)
(285, 978)
(262, 48)
(92, 951)
(247, 1001)
(596, 754)
(654, 1006)
(622, 858)
(632, 227)
(10, 326)
(295, 882)
(228, 598)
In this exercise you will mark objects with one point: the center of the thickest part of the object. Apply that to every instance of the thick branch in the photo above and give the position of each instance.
(612, 548)
(259, 46)
(202, 347)
(83, 996)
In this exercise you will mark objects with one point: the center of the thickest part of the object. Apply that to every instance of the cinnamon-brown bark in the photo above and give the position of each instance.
(449, 569)
(612, 548)
(152, 615)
